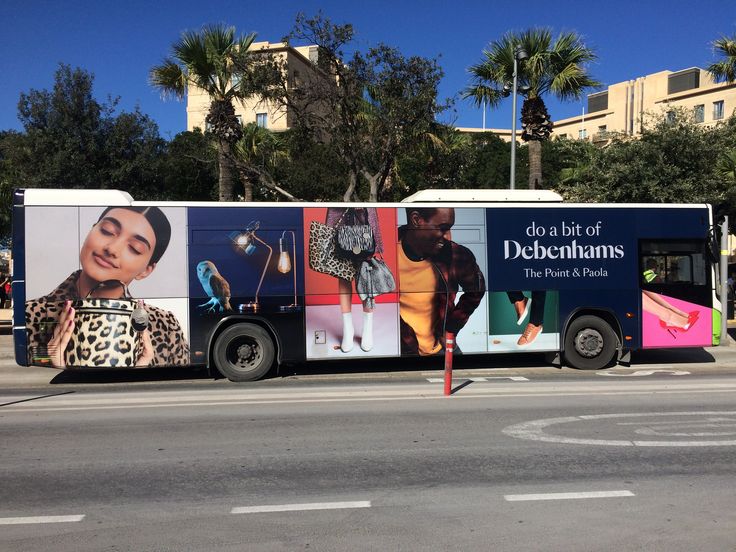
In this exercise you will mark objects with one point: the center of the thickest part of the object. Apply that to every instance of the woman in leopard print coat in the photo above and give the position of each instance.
(124, 245)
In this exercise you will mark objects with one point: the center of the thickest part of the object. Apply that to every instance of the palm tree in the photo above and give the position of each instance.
(556, 68)
(724, 70)
(219, 63)
(256, 155)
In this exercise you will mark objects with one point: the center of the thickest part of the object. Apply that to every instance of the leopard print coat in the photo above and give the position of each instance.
(169, 345)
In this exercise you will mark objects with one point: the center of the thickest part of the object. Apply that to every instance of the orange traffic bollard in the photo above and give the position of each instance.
(449, 348)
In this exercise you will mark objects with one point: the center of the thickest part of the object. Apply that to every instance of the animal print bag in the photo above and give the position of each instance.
(355, 240)
(104, 335)
(322, 256)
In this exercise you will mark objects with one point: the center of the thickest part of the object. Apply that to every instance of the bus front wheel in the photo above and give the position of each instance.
(243, 352)
(590, 343)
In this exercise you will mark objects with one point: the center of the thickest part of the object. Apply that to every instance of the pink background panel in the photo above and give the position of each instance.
(700, 333)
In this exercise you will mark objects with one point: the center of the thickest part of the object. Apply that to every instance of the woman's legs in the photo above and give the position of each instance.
(366, 340)
(345, 288)
(348, 331)
(653, 303)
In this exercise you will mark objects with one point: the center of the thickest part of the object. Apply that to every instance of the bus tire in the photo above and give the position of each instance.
(590, 343)
(243, 352)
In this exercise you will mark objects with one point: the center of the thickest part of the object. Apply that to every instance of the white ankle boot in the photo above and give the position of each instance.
(348, 333)
(366, 341)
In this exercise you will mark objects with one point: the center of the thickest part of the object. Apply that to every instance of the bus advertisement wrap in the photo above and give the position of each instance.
(133, 286)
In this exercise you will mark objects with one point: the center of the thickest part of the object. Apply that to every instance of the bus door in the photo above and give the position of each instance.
(676, 293)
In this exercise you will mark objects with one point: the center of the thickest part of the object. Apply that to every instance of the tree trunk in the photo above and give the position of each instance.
(352, 183)
(535, 164)
(227, 185)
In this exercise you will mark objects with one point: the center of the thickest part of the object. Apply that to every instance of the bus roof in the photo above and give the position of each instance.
(484, 196)
(54, 196)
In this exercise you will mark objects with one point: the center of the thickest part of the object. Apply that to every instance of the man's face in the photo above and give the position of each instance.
(431, 234)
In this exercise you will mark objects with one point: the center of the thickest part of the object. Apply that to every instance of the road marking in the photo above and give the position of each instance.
(378, 393)
(534, 431)
(567, 496)
(301, 507)
(479, 379)
(40, 519)
(645, 373)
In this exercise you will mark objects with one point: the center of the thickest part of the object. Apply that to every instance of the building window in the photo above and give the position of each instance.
(582, 134)
(262, 120)
(718, 110)
(699, 113)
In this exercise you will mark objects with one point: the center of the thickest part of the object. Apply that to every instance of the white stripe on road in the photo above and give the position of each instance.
(40, 519)
(480, 379)
(567, 496)
(300, 507)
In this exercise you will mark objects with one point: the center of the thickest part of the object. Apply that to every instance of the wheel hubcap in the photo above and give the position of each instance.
(245, 353)
(589, 343)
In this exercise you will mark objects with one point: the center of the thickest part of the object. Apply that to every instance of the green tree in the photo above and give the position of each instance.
(257, 155)
(223, 66)
(369, 109)
(190, 167)
(725, 69)
(557, 68)
(71, 140)
(674, 161)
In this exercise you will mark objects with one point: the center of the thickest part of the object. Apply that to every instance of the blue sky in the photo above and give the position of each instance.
(119, 41)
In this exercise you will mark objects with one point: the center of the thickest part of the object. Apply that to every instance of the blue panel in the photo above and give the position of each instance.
(20, 337)
(578, 249)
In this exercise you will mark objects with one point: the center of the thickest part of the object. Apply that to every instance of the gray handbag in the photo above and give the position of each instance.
(374, 278)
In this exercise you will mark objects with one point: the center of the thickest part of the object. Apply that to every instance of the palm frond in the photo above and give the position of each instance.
(724, 70)
(169, 79)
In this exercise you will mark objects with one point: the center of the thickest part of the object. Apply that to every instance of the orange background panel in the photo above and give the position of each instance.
(321, 289)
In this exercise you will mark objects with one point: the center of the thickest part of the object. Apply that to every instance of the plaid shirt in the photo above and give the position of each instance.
(457, 269)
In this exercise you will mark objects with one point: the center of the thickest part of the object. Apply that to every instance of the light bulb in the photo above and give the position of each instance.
(284, 265)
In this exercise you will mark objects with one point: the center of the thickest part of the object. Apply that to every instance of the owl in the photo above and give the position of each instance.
(215, 286)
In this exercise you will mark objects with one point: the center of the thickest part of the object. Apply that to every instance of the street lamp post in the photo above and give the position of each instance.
(519, 56)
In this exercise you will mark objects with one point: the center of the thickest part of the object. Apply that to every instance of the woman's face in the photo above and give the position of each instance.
(119, 247)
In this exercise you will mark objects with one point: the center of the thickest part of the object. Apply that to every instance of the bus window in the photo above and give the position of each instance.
(673, 262)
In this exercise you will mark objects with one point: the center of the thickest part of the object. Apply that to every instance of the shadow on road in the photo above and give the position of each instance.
(87, 375)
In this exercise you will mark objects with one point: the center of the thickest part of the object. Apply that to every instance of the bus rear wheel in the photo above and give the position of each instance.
(590, 343)
(243, 352)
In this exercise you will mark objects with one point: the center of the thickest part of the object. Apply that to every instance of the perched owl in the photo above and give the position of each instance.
(215, 286)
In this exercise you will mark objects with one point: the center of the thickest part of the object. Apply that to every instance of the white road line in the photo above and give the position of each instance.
(480, 379)
(567, 496)
(301, 507)
(40, 519)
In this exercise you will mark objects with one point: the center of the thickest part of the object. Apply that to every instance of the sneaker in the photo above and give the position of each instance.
(530, 334)
(522, 309)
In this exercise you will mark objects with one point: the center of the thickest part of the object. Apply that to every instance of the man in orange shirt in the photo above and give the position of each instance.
(432, 269)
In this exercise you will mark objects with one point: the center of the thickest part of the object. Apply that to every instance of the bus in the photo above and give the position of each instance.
(103, 281)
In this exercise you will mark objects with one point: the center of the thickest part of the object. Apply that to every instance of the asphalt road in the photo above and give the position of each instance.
(602, 463)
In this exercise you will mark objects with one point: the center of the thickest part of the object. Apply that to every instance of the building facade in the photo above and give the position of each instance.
(623, 108)
(299, 63)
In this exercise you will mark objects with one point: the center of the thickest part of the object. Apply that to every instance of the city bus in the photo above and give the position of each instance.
(103, 281)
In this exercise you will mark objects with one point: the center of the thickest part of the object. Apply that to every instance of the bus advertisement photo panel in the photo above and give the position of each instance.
(442, 283)
(107, 288)
(351, 282)
(246, 260)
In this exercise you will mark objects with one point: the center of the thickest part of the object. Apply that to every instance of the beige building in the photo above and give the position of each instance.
(624, 107)
(299, 60)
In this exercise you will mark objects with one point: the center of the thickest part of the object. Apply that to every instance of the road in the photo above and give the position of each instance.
(643, 462)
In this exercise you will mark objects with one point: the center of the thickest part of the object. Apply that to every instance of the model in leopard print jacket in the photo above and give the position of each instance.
(124, 245)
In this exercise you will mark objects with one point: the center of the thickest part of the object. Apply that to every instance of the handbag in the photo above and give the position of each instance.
(374, 278)
(322, 257)
(105, 334)
(355, 241)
